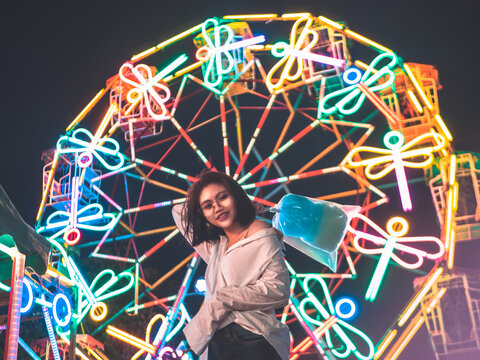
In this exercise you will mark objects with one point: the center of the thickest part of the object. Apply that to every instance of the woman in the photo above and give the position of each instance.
(246, 275)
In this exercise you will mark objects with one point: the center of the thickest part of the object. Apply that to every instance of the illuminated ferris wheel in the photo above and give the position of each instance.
(303, 115)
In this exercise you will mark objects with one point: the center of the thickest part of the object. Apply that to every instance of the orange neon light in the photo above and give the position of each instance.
(130, 339)
(417, 86)
(416, 300)
(408, 338)
(386, 341)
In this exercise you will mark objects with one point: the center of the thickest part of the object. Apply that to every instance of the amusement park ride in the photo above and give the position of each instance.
(306, 115)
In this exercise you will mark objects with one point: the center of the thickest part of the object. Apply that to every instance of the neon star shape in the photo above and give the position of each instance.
(339, 327)
(149, 87)
(348, 100)
(82, 142)
(390, 241)
(396, 157)
(216, 52)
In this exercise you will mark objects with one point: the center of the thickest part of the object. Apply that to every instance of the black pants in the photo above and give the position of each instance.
(233, 342)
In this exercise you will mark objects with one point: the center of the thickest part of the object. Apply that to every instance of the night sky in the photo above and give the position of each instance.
(58, 54)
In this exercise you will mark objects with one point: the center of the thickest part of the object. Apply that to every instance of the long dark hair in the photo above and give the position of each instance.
(195, 222)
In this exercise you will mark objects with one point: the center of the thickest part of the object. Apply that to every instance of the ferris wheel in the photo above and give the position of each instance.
(304, 115)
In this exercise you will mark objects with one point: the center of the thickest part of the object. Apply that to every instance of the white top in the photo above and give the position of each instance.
(245, 284)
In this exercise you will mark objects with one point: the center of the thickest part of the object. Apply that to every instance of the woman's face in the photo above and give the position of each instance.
(218, 206)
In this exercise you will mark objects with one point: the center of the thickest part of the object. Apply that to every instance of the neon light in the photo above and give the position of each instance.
(29, 303)
(130, 339)
(286, 63)
(418, 87)
(367, 41)
(281, 49)
(378, 103)
(453, 169)
(51, 333)
(144, 54)
(178, 37)
(201, 285)
(437, 298)
(348, 344)
(98, 311)
(402, 244)
(386, 341)
(351, 98)
(206, 52)
(98, 147)
(90, 213)
(415, 102)
(330, 22)
(416, 300)
(399, 169)
(349, 79)
(87, 108)
(101, 293)
(257, 16)
(343, 302)
(147, 86)
(396, 158)
(408, 338)
(444, 128)
(55, 309)
(295, 15)
(219, 42)
(27, 348)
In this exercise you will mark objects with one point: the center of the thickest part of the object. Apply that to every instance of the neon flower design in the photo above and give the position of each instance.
(82, 142)
(148, 87)
(396, 157)
(107, 284)
(386, 244)
(348, 100)
(339, 327)
(219, 43)
(293, 54)
(90, 217)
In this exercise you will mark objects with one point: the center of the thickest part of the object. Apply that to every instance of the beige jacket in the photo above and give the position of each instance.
(245, 284)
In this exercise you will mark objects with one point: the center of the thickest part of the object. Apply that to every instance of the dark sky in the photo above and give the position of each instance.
(57, 55)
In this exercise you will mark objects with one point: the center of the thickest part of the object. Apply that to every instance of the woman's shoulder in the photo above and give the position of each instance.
(258, 225)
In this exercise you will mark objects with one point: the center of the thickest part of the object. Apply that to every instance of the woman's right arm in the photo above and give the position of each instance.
(205, 247)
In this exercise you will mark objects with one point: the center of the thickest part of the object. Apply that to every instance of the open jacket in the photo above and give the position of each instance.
(245, 284)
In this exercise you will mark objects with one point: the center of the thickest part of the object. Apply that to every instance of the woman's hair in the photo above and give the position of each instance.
(195, 222)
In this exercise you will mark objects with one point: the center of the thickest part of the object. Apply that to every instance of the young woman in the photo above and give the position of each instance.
(246, 275)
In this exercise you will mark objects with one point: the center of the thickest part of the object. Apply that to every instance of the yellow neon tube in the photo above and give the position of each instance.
(130, 339)
(364, 66)
(453, 169)
(449, 218)
(179, 36)
(189, 68)
(436, 300)
(415, 101)
(295, 15)
(330, 22)
(408, 338)
(444, 128)
(417, 86)
(144, 54)
(87, 108)
(388, 339)
(416, 300)
(367, 41)
(105, 121)
(94, 354)
(451, 252)
(257, 16)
